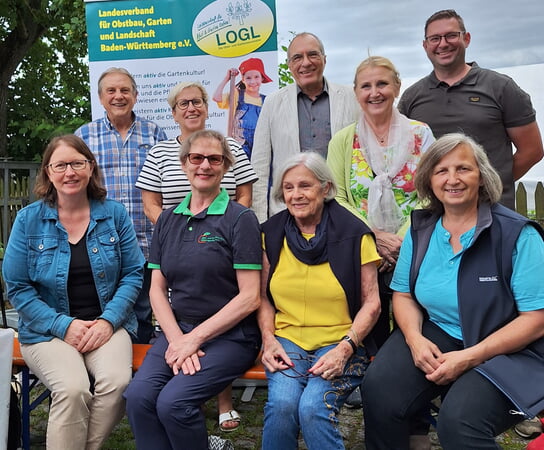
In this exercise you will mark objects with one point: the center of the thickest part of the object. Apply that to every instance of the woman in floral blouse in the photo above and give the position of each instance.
(374, 162)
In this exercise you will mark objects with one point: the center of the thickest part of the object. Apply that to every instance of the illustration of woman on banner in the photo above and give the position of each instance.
(246, 103)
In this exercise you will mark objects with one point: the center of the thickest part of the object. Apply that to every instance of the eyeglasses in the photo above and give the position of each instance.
(184, 104)
(197, 158)
(61, 166)
(451, 38)
(293, 372)
(312, 56)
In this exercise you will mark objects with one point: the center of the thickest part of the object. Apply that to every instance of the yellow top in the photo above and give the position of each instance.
(312, 308)
(257, 101)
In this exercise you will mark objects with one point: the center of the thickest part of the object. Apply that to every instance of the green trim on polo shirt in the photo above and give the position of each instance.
(216, 208)
(153, 266)
(248, 266)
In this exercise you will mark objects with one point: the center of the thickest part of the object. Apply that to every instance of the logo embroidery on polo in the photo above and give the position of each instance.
(488, 279)
(207, 237)
(474, 99)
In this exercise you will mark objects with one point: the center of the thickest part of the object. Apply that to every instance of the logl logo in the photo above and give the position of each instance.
(228, 28)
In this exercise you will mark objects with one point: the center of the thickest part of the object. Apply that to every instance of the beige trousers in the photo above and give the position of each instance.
(79, 419)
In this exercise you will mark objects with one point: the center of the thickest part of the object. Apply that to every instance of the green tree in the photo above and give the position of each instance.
(284, 74)
(44, 81)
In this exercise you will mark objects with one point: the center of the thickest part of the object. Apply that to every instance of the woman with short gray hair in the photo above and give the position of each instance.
(319, 303)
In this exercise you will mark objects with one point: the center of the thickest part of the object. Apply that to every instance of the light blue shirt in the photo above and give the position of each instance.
(436, 285)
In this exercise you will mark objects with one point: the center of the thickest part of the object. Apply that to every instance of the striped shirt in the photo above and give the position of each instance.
(162, 173)
(121, 162)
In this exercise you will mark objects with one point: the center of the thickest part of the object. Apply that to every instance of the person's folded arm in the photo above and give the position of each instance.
(244, 194)
(529, 151)
(152, 205)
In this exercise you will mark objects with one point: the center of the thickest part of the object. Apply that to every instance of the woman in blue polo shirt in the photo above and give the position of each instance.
(469, 304)
(207, 251)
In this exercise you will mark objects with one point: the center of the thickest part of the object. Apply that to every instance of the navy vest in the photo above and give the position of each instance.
(344, 234)
(486, 302)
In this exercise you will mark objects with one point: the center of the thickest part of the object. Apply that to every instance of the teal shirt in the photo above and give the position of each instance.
(436, 286)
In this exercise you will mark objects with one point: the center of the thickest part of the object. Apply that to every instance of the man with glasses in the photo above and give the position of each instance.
(300, 117)
(462, 97)
(120, 141)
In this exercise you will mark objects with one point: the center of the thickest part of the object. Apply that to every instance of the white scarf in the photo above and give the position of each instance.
(386, 162)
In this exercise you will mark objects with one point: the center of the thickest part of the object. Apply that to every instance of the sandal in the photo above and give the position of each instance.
(229, 416)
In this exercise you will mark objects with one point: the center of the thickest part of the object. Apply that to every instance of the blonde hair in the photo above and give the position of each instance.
(378, 61)
(174, 92)
(207, 134)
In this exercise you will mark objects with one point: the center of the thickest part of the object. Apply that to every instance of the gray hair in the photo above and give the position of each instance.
(117, 70)
(207, 134)
(306, 33)
(174, 92)
(491, 188)
(316, 164)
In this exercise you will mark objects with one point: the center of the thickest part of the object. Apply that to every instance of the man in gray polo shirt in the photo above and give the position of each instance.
(486, 105)
(299, 117)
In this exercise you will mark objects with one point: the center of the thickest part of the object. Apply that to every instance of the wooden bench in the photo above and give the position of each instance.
(253, 378)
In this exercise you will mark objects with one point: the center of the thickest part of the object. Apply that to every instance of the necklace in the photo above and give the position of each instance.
(381, 139)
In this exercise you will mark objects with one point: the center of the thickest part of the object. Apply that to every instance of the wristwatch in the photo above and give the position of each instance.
(351, 342)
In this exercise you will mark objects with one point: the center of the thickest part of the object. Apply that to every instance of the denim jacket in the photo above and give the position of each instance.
(37, 261)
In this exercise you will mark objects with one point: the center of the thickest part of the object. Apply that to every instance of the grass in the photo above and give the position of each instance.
(248, 436)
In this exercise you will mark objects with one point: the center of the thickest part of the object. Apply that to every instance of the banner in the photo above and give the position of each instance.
(164, 42)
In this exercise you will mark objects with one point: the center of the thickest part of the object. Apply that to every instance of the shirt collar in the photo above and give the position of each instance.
(470, 78)
(97, 207)
(110, 126)
(325, 88)
(217, 207)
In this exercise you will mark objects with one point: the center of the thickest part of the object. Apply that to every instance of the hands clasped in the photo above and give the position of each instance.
(88, 335)
(184, 353)
(388, 245)
(440, 368)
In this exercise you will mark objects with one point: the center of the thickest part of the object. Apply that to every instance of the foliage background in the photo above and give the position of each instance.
(44, 76)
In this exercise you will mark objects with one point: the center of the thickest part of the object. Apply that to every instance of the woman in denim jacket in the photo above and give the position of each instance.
(73, 270)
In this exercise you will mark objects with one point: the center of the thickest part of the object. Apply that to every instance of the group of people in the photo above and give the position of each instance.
(346, 206)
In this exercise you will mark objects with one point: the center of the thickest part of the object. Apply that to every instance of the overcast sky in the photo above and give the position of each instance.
(504, 32)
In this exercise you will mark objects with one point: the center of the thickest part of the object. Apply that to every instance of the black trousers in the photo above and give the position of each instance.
(472, 413)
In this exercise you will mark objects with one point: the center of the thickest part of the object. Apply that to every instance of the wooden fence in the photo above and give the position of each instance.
(17, 180)
(522, 198)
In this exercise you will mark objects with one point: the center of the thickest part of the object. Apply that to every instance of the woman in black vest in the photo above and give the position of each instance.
(469, 303)
(319, 303)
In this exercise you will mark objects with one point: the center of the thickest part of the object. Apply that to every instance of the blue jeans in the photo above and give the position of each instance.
(472, 413)
(308, 404)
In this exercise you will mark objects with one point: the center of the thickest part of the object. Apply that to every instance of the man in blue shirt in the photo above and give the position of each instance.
(120, 141)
